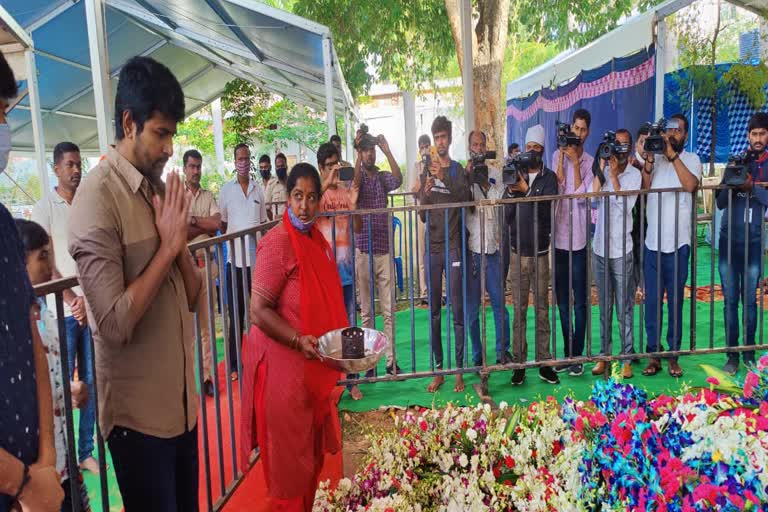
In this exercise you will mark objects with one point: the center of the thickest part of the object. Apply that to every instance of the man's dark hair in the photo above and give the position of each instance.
(513, 147)
(324, 152)
(759, 120)
(265, 158)
(240, 146)
(146, 87)
(644, 130)
(191, 153)
(335, 138)
(584, 115)
(629, 134)
(280, 155)
(64, 147)
(442, 124)
(424, 139)
(32, 235)
(469, 139)
(303, 170)
(681, 117)
(8, 87)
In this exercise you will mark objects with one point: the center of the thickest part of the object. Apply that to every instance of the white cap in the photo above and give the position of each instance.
(535, 134)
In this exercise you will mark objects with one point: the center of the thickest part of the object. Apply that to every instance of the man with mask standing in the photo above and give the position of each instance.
(675, 168)
(242, 205)
(268, 183)
(28, 476)
(574, 176)
(128, 236)
(373, 258)
(279, 192)
(52, 213)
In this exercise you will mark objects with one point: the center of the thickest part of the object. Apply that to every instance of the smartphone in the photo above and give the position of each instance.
(433, 155)
(346, 173)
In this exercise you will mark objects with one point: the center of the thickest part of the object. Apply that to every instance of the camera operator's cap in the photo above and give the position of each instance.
(535, 134)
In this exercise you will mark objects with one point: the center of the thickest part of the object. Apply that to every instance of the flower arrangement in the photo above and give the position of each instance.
(706, 449)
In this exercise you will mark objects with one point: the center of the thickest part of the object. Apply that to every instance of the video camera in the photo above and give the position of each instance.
(654, 143)
(738, 167)
(366, 140)
(521, 162)
(610, 147)
(565, 135)
(479, 167)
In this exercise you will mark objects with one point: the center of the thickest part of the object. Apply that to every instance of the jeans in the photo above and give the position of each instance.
(740, 284)
(235, 336)
(79, 344)
(493, 286)
(619, 290)
(156, 474)
(453, 271)
(654, 296)
(566, 280)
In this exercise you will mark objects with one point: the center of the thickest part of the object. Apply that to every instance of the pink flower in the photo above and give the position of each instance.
(750, 383)
(713, 380)
(763, 362)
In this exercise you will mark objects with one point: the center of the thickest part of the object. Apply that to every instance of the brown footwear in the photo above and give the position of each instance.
(626, 371)
(674, 369)
(599, 368)
(654, 367)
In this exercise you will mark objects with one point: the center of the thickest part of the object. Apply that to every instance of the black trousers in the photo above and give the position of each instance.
(155, 474)
(235, 335)
(435, 259)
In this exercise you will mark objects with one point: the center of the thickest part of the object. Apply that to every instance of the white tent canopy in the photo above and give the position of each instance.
(637, 33)
(80, 46)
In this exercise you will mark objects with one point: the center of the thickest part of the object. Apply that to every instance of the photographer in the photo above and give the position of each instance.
(445, 182)
(372, 238)
(486, 183)
(421, 227)
(529, 265)
(614, 269)
(675, 168)
(744, 207)
(574, 176)
(512, 150)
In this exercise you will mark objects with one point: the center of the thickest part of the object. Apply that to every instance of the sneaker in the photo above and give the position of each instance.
(731, 367)
(547, 374)
(518, 377)
(391, 372)
(562, 368)
(576, 370)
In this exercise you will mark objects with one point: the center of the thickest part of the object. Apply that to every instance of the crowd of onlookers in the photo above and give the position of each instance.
(124, 231)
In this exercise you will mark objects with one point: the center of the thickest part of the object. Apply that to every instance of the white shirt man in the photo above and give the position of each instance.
(239, 211)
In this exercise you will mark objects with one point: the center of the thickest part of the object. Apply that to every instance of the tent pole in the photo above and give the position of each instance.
(330, 112)
(661, 51)
(409, 113)
(37, 121)
(218, 134)
(348, 122)
(97, 45)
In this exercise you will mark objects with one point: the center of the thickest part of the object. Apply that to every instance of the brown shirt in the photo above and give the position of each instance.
(203, 205)
(144, 364)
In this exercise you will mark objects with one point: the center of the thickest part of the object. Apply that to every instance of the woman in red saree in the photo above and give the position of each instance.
(296, 297)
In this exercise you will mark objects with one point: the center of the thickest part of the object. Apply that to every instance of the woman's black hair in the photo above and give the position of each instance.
(303, 170)
(32, 235)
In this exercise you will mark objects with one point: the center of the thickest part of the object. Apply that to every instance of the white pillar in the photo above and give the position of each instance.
(465, 10)
(409, 115)
(37, 121)
(661, 51)
(94, 14)
(218, 134)
(348, 123)
(330, 111)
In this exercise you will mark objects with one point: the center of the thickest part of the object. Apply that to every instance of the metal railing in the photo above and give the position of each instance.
(221, 469)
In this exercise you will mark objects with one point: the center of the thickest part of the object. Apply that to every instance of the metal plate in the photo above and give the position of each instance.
(330, 348)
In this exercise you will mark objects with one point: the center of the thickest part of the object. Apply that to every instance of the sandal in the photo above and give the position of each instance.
(675, 370)
(654, 367)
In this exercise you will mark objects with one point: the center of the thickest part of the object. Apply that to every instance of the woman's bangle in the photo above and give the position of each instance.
(25, 478)
(294, 343)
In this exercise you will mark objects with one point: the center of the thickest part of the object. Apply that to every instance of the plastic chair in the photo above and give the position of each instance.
(396, 224)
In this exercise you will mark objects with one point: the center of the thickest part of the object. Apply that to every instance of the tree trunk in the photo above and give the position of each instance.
(488, 45)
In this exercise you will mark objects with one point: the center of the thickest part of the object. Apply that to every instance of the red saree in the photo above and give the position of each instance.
(287, 405)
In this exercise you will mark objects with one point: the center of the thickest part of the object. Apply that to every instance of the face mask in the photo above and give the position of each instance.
(243, 168)
(265, 173)
(297, 223)
(282, 173)
(5, 145)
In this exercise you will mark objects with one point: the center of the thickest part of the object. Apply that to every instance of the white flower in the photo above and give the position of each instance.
(503, 405)
(463, 460)
(471, 434)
